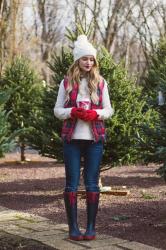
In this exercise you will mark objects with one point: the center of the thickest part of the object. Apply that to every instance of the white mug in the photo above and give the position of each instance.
(83, 104)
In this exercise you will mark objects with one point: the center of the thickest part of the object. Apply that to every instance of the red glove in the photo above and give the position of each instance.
(90, 115)
(77, 113)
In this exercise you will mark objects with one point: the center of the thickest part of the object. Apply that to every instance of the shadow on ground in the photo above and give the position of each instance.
(13, 242)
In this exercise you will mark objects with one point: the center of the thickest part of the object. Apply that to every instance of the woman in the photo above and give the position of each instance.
(83, 103)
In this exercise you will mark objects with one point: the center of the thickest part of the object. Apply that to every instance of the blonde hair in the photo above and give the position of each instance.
(93, 78)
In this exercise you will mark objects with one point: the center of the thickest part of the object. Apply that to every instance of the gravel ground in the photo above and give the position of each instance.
(37, 185)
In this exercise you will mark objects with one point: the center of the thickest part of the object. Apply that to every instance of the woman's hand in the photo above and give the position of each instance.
(90, 115)
(83, 114)
(77, 113)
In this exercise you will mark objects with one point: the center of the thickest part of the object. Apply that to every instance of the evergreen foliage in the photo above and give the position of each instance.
(155, 82)
(46, 136)
(129, 104)
(6, 139)
(24, 101)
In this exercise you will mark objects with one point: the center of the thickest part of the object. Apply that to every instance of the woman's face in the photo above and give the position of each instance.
(86, 63)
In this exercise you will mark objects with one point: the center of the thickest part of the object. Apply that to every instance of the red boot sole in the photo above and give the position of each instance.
(89, 237)
(76, 238)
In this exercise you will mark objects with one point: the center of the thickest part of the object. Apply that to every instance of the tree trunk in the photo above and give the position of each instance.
(22, 148)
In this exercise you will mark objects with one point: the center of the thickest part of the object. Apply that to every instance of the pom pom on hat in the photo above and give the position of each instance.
(82, 47)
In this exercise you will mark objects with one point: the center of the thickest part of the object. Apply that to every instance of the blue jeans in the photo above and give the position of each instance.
(92, 153)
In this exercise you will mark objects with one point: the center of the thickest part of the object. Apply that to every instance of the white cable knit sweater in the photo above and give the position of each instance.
(83, 128)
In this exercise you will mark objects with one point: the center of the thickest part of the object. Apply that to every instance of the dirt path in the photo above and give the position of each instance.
(37, 186)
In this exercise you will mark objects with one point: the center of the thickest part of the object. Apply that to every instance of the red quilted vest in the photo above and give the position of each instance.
(69, 124)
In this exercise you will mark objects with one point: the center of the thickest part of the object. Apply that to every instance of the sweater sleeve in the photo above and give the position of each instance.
(59, 111)
(107, 110)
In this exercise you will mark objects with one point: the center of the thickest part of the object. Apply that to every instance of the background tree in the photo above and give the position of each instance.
(129, 104)
(48, 12)
(9, 12)
(6, 138)
(154, 147)
(128, 29)
(4, 22)
(125, 28)
(46, 138)
(23, 102)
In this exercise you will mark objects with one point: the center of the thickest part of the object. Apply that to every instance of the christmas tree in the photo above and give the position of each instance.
(46, 136)
(24, 102)
(6, 139)
(155, 86)
(129, 104)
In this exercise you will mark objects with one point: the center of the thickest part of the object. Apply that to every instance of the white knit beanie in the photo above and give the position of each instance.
(82, 47)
